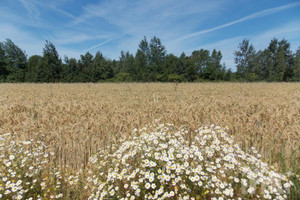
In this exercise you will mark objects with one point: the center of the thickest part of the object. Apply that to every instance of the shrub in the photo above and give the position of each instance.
(158, 163)
(25, 172)
(122, 76)
(175, 78)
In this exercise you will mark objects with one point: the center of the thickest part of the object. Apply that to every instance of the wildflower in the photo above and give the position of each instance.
(287, 185)
(250, 190)
(209, 163)
(14, 189)
(153, 186)
(11, 157)
(151, 179)
(147, 186)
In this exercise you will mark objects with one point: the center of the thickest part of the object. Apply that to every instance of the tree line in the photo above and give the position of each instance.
(151, 63)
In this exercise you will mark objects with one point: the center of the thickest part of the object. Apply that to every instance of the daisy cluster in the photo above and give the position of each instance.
(25, 171)
(157, 162)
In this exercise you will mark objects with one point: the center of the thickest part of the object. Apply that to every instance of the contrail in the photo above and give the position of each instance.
(97, 45)
(248, 17)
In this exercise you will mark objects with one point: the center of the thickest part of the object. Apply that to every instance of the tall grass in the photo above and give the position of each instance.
(78, 119)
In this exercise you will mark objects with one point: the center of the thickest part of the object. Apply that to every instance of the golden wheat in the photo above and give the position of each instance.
(79, 118)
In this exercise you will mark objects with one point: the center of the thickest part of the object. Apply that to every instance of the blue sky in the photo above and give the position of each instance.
(110, 26)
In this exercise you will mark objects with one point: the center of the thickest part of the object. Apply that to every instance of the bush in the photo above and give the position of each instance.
(175, 78)
(155, 162)
(122, 76)
(25, 172)
(158, 163)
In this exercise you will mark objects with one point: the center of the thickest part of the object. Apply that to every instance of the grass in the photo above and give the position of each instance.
(78, 119)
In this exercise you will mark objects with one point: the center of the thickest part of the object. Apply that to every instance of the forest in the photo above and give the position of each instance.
(152, 63)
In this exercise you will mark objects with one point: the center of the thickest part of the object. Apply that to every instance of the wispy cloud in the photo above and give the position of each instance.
(114, 25)
(248, 17)
(97, 45)
(29, 4)
(133, 17)
(260, 41)
(17, 18)
(71, 37)
(70, 53)
(31, 8)
(23, 39)
(33, 12)
(288, 31)
(129, 21)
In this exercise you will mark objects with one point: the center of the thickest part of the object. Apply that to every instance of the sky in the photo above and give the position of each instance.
(109, 26)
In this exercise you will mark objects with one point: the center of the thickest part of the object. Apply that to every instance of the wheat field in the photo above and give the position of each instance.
(77, 119)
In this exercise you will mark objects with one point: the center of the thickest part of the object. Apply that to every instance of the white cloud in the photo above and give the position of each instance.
(260, 41)
(31, 6)
(70, 53)
(135, 16)
(134, 19)
(288, 31)
(97, 45)
(32, 45)
(17, 18)
(248, 17)
(32, 10)
(114, 25)
(22, 39)
(71, 37)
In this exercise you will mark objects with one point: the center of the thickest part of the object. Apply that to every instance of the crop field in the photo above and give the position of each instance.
(78, 119)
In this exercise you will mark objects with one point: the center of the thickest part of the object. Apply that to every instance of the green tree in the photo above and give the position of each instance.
(191, 72)
(51, 66)
(96, 69)
(296, 67)
(70, 70)
(201, 60)
(157, 57)
(182, 66)
(228, 75)
(285, 51)
(282, 60)
(3, 69)
(141, 66)
(102, 67)
(214, 70)
(216, 57)
(142, 61)
(85, 67)
(145, 50)
(127, 65)
(244, 59)
(15, 59)
(171, 64)
(34, 63)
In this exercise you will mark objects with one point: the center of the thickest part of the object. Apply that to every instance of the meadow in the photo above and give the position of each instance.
(75, 120)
